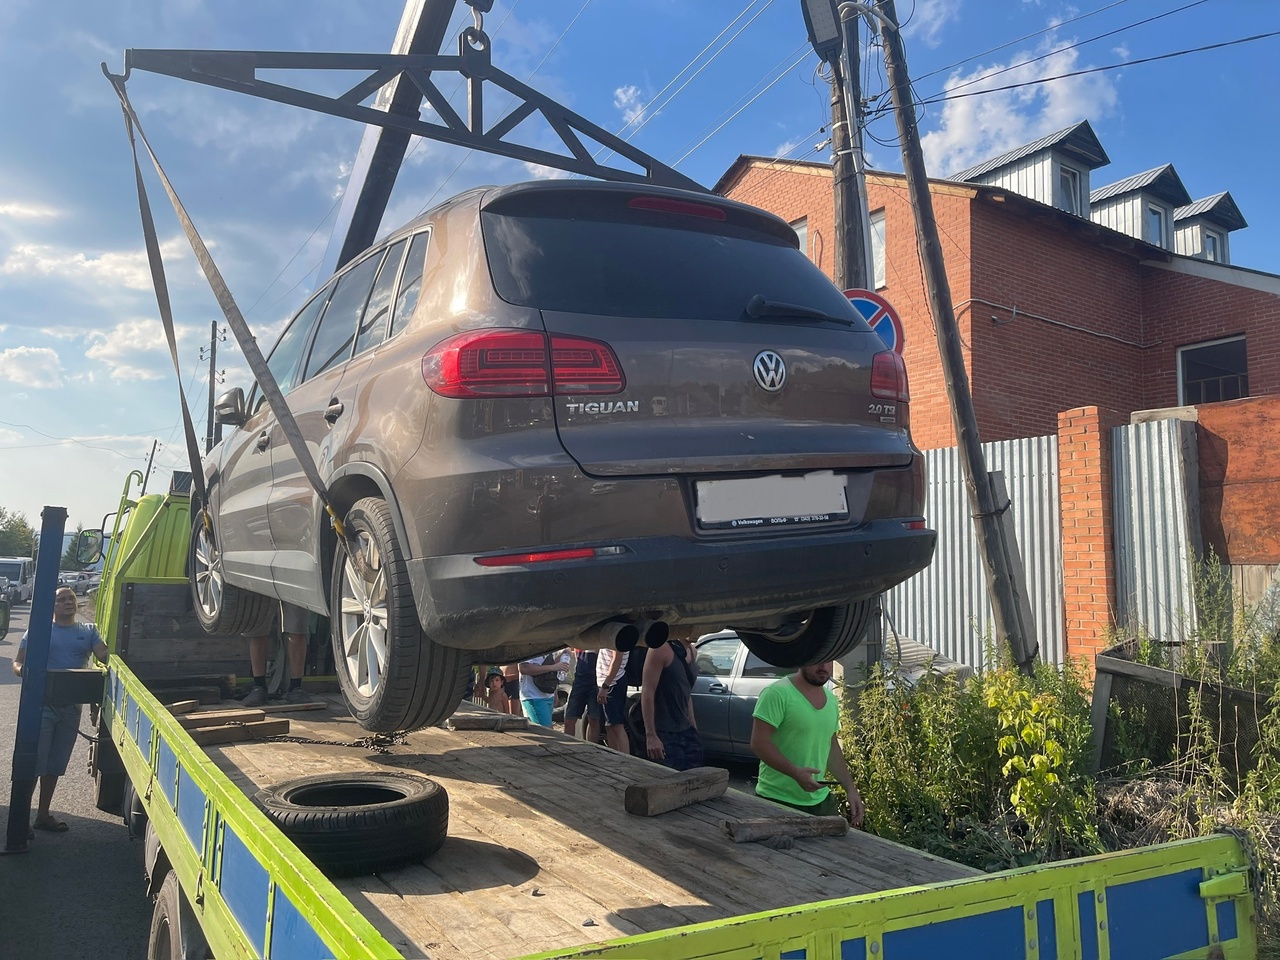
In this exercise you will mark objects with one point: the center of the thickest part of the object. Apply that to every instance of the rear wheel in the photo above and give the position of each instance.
(223, 609)
(175, 933)
(393, 676)
(828, 633)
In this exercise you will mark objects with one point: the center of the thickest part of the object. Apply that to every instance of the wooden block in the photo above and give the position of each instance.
(183, 706)
(500, 721)
(216, 718)
(238, 732)
(759, 828)
(652, 797)
(290, 707)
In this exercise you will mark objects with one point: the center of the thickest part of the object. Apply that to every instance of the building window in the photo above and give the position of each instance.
(1212, 246)
(1217, 370)
(1155, 225)
(1069, 190)
(801, 227)
(877, 248)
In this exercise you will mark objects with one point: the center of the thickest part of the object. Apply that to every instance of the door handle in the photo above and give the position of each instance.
(264, 440)
(717, 688)
(334, 410)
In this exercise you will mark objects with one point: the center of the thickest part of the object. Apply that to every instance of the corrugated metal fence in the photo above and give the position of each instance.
(1155, 479)
(946, 606)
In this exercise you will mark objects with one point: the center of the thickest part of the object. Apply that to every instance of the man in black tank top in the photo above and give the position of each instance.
(671, 736)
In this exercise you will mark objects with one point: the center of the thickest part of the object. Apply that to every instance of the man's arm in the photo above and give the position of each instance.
(654, 664)
(19, 659)
(100, 651)
(615, 665)
(839, 768)
(533, 669)
(762, 746)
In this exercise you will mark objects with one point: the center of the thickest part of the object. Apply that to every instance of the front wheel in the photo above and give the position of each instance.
(223, 609)
(393, 676)
(828, 633)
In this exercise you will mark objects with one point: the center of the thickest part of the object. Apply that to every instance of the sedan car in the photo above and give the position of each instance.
(554, 413)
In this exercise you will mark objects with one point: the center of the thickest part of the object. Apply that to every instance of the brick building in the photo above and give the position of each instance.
(1065, 297)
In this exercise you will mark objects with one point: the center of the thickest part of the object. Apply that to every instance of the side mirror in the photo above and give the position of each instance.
(230, 408)
(89, 546)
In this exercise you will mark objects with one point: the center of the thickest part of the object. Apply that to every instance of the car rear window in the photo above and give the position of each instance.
(598, 255)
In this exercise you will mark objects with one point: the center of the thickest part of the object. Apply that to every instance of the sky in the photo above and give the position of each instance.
(87, 388)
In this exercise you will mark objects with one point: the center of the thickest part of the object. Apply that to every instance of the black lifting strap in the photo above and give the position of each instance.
(248, 344)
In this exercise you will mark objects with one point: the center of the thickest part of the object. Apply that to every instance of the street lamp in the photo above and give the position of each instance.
(823, 23)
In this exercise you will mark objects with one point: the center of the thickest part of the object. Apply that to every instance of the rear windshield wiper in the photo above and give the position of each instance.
(758, 307)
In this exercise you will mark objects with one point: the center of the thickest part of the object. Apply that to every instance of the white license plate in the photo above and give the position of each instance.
(771, 501)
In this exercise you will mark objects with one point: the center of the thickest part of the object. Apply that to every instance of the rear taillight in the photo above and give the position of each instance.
(538, 556)
(889, 377)
(687, 208)
(514, 363)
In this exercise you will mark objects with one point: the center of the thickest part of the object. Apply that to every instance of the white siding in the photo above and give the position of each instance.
(1122, 213)
(1188, 239)
(1031, 177)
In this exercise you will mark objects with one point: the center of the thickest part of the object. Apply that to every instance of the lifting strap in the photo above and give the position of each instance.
(235, 320)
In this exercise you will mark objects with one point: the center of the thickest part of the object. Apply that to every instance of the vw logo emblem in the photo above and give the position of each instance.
(770, 371)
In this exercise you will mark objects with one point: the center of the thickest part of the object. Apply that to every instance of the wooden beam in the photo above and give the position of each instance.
(652, 797)
(216, 718)
(761, 828)
(238, 732)
(499, 721)
(183, 706)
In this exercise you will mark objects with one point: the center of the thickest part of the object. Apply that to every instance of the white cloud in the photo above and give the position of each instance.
(784, 149)
(977, 128)
(136, 349)
(113, 268)
(38, 367)
(17, 210)
(627, 99)
(929, 19)
(538, 171)
(10, 436)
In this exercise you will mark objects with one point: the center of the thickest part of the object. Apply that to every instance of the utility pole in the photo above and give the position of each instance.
(1002, 582)
(214, 337)
(146, 475)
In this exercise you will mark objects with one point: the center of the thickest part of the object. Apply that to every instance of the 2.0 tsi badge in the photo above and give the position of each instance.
(770, 371)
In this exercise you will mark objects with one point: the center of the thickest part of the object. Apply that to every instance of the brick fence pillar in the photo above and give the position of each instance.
(1088, 554)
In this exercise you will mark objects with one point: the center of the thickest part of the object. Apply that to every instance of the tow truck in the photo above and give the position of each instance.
(540, 853)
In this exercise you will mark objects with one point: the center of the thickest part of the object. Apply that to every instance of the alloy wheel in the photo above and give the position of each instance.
(208, 573)
(364, 612)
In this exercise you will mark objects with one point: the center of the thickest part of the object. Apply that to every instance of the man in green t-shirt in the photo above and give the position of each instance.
(794, 735)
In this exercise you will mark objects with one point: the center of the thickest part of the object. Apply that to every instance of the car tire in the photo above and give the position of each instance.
(350, 824)
(393, 676)
(175, 933)
(829, 633)
(223, 609)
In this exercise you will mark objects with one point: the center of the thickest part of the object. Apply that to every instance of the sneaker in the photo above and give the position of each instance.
(256, 697)
(298, 695)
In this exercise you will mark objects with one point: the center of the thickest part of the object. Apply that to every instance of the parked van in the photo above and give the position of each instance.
(21, 574)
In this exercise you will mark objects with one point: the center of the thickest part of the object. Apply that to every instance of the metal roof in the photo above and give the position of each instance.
(1220, 210)
(1163, 183)
(1077, 141)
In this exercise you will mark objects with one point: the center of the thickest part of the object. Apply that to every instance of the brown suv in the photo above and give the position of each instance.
(567, 413)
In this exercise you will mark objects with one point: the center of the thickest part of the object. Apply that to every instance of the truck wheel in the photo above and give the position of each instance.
(175, 933)
(393, 676)
(351, 824)
(224, 610)
(827, 634)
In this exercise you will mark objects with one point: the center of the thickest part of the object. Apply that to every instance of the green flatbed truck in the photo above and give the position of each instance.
(541, 860)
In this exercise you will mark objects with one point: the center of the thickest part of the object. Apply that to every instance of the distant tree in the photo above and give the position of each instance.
(69, 561)
(16, 535)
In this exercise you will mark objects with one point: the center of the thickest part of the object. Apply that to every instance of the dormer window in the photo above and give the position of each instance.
(1156, 225)
(1213, 246)
(1069, 190)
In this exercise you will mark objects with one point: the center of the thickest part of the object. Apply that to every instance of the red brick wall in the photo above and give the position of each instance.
(1184, 310)
(1240, 479)
(1088, 558)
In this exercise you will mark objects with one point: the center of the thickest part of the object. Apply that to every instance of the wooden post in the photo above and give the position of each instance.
(982, 502)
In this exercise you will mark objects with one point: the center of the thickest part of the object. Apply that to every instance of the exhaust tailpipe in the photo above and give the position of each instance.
(654, 632)
(612, 634)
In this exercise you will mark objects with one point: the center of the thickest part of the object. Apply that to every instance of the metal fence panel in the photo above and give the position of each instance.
(1155, 483)
(946, 606)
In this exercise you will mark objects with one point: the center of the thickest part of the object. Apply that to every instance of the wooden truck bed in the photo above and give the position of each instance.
(541, 854)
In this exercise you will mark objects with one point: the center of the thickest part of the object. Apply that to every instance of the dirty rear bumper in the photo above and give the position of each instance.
(711, 583)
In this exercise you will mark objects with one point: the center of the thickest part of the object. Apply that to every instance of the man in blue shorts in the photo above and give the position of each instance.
(70, 644)
(794, 735)
(582, 697)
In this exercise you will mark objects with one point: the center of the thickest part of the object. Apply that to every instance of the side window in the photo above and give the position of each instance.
(715, 657)
(755, 667)
(373, 328)
(410, 283)
(286, 354)
(333, 341)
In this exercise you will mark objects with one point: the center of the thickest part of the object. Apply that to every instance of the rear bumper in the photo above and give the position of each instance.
(462, 604)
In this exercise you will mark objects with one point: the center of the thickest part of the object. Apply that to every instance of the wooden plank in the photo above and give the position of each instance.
(1157, 675)
(292, 707)
(652, 797)
(232, 732)
(214, 718)
(497, 721)
(762, 828)
(1098, 716)
(183, 706)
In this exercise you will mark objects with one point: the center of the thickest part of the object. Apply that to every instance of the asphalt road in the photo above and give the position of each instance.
(74, 894)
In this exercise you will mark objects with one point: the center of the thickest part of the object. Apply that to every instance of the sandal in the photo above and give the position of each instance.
(52, 825)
